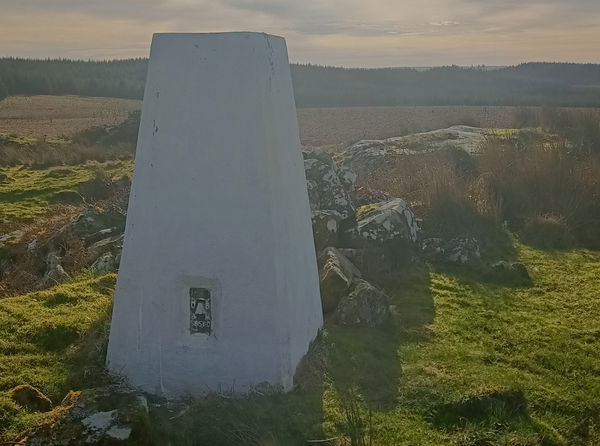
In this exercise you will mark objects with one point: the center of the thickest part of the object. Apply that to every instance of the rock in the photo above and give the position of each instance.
(110, 244)
(318, 154)
(370, 154)
(32, 246)
(102, 416)
(462, 250)
(384, 222)
(91, 226)
(93, 221)
(457, 250)
(365, 306)
(433, 249)
(326, 190)
(325, 228)
(55, 273)
(100, 235)
(511, 273)
(30, 398)
(365, 196)
(336, 277)
(347, 178)
(372, 259)
(105, 264)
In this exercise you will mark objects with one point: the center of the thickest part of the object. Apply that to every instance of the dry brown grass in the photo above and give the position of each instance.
(42, 155)
(332, 126)
(26, 269)
(55, 117)
(28, 266)
(532, 185)
(438, 185)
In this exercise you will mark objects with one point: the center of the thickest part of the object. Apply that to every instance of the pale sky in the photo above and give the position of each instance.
(358, 33)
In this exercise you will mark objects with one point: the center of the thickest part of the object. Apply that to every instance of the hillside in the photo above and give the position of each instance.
(470, 353)
(318, 86)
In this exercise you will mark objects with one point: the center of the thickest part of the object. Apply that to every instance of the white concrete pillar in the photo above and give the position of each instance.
(218, 285)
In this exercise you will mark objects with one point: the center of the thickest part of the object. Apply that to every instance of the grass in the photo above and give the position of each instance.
(53, 340)
(541, 341)
(27, 194)
(464, 362)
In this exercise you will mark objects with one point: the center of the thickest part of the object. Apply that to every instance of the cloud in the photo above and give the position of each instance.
(345, 32)
(445, 23)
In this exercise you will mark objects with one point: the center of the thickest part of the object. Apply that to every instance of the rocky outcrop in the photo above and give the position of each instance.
(94, 238)
(378, 234)
(337, 275)
(365, 306)
(330, 191)
(327, 192)
(371, 259)
(349, 299)
(369, 154)
(389, 224)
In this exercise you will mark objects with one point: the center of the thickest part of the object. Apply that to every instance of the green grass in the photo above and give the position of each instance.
(463, 363)
(53, 340)
(27, 194)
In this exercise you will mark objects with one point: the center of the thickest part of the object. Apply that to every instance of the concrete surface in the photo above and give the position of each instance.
(219, 202)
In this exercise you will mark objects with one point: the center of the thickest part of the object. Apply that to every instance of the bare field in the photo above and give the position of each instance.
(54, 117)
(331, 126)
(328, 126)
(62, 116)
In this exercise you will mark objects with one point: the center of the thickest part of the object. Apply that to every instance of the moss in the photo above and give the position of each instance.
(27, 194)
(366, 210)
(52, 345)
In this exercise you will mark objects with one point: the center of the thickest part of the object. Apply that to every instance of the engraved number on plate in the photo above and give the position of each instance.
(200, 311)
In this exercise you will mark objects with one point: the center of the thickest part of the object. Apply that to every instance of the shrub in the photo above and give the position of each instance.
(547, 231)
(527, 180)
(439, 188)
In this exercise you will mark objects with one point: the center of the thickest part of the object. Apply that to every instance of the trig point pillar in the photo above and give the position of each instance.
(218, 285)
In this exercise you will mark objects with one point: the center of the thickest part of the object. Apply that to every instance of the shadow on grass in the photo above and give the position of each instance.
(262, 418)
(485, 418)
(366, 359)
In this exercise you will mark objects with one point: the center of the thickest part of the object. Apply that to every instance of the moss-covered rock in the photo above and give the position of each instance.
(30, 398)
(108, 415)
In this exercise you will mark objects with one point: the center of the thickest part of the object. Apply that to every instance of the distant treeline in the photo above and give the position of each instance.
(120, 78)
(558, 84)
